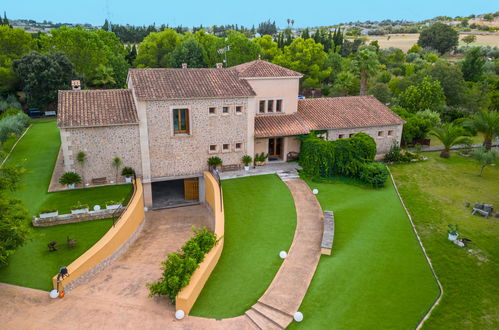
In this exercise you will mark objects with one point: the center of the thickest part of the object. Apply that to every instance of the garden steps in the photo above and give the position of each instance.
(276, 315)
(262, 321)
(288, 175)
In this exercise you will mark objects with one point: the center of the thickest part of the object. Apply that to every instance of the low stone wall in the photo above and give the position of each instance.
(71, 218)
(188, 295)
(110, 245)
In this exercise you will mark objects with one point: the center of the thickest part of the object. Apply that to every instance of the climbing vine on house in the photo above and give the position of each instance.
(352, 157)
(179, 266)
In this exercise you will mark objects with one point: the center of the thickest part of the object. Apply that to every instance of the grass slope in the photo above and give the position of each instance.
(377, 277)
(435, 193)
(32, 265)
(260, 221)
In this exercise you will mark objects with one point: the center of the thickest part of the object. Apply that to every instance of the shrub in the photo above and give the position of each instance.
(10, 102)
(127, 171)
(246, 160)
(178, 267)
(79, 205)
(70, 178)
(10, 112)
(12, 125)
(396, 155)
(261, 157)
(374, 174)
(214, 161)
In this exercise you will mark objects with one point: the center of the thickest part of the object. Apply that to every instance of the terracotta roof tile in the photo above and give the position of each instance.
(279, 125)
(261, 68)
(345, 112)
(87, 108)
(162, 84)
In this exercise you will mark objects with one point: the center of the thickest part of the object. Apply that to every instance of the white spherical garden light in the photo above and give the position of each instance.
(179, 314)
(283, 254)
(54, 294)
(315, 191)
(298, 316)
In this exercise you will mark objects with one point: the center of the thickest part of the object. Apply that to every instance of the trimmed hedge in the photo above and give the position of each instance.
(352, 157)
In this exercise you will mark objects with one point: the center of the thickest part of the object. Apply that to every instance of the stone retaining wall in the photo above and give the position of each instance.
(72, 218)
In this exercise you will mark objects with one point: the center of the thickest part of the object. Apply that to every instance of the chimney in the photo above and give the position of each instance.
(220, 65)
(184, 65)
(76, 85)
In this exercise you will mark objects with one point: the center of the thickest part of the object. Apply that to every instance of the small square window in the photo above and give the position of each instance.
(351, 134)
(225, 110)
(380, 133)
(390, 133)
(239, 109)
(239, 146)
(261, 108)
(278, 106)
(212, 110)
(270, 106)
(226, 147)
(341, 136)
(213, 147)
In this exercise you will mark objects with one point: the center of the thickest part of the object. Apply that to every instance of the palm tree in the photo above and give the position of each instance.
(366, 63)
(487, 123)
(117, 164)
(81, 158)
(449, 135)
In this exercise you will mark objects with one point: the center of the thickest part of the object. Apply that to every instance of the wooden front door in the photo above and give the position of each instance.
(275, 147)
(191, 189)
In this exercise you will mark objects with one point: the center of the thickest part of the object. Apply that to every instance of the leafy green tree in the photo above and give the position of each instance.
(472, 65)
(211, 45)
(267, 28)
(451, 79)
(426, 95)
(415, 127)
(307, 57)
(484, 157)
(450, 135)
(346, 83)
(14, 44)
(242, 49)
(13, 215)
(190, 51)
(477, 97)
(269, 48)
(42, 75)
(103, 77)
(470, 38)
(487, 123)
(155, 50)
(439, 36)
(382, 92)
(336, 63)
(366, 64)
(131, 54)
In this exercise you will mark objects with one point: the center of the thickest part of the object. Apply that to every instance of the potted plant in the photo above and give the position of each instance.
(117, 164)
(70, 179)
(127, 172)
(246, 161)
(113, 205)
(260, 159)
(79, 208)
(453, 232)
(48, 213)
(214, 162)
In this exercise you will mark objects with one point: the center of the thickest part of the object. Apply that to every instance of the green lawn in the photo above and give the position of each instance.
(260, 221)
(435, 193)
(32, 265)
(377, 277)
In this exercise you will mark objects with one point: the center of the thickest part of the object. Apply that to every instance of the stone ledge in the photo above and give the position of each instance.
(72, 218)
(328, 233)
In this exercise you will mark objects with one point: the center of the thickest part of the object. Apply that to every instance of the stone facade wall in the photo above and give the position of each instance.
(285, 89)
(383, 142)
(102, 145)
(187, 154)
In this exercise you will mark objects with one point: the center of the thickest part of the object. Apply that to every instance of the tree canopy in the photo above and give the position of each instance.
(155, 50)
(191, 52)
(425, 95)
(440, 37)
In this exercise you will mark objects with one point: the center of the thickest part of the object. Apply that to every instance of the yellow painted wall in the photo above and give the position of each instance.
(127, 224)
(187, 296)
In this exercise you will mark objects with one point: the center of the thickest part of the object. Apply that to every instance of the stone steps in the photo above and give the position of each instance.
(278, 316)
(288, 175)
(262, 321)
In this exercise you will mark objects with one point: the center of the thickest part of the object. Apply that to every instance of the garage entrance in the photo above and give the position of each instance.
(175, 193)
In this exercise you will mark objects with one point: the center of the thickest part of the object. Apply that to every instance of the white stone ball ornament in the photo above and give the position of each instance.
(179, 314)
(96, 207)
(283, 254)
(315, 191)
(54, 294)
(298, 316)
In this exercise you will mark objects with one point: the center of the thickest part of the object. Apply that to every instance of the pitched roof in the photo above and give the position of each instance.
(279, 125)
(162, 84)
(344, 112)
(87, 108)
(261, 68)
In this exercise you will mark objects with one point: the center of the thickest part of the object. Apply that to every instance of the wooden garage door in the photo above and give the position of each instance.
(191, 189)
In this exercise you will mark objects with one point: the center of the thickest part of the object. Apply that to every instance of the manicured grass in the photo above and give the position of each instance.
(435, 192)
(32, 265)
(260, 221)
(377, 276)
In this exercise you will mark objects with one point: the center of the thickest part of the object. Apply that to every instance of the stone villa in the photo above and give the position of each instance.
(170, 121)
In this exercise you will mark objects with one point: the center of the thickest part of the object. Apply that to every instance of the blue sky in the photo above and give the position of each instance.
(247, 13)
